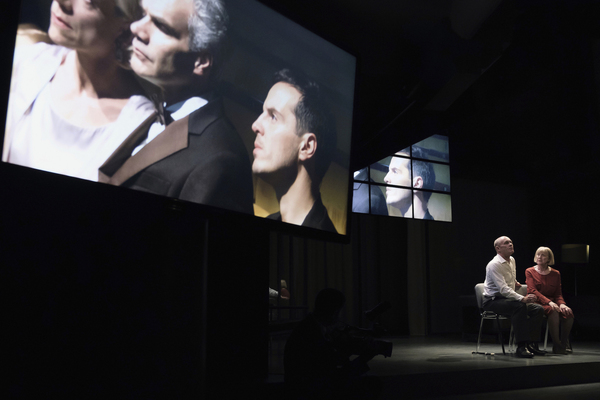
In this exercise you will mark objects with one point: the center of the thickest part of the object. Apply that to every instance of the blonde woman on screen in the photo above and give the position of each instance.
(73, 102)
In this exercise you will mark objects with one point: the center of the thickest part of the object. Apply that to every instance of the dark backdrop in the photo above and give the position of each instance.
(143, 320)
(115, 291)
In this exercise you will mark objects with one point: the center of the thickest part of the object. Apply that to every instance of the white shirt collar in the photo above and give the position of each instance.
(186, 107)
(502, 259)
(178, 111)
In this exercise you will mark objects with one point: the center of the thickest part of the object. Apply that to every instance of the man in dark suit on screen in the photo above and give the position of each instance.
(190, 150)
(294, 145)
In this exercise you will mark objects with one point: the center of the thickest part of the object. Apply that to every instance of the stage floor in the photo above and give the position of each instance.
(429, 354)
(443, 367)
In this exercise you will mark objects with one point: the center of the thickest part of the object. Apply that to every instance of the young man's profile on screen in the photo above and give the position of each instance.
(399, 175)
(295, 140)
(410, 173)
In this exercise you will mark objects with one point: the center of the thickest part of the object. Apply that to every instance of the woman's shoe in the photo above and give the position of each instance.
(568, 348)
(559, 349)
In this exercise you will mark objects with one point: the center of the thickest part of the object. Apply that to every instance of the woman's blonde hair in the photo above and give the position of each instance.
(130, 11)
(548, 253)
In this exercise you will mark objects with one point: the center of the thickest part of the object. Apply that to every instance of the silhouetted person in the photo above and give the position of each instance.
(316, 367)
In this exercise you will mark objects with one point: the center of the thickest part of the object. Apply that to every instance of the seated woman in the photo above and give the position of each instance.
(544, 282)
(73, 102)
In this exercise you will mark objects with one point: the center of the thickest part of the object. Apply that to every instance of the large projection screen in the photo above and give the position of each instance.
(260, 43)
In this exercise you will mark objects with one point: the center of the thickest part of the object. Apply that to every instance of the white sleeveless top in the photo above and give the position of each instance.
(42, 139)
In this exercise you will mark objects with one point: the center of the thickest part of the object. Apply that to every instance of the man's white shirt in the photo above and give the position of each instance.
(500, 277)
(178, 111)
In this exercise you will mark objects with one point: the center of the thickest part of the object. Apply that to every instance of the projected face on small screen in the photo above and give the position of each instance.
(415, 180)
(398, 175)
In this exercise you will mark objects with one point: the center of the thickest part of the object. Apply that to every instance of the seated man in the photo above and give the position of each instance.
(500, 297)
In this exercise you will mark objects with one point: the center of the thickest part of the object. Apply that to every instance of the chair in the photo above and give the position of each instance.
(488, 315)
(492, 315)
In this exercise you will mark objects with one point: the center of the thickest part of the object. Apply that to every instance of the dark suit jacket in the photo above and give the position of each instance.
(317, 217)
(199, 158)
(360, 196)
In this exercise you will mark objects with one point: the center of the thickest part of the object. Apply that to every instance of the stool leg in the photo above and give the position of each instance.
(511, 342)
(500, 334)
(479, 337)
(546, 339)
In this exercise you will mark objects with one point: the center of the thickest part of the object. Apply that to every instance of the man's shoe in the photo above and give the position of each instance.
(533, 348)
(522, 352)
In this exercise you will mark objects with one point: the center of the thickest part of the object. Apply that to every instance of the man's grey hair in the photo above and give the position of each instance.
(208, 25)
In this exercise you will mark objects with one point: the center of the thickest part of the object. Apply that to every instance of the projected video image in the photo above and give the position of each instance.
(413, 182)
(184, 108)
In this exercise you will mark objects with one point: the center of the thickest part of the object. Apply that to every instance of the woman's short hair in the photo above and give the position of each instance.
(130, 11)
(548, 253)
